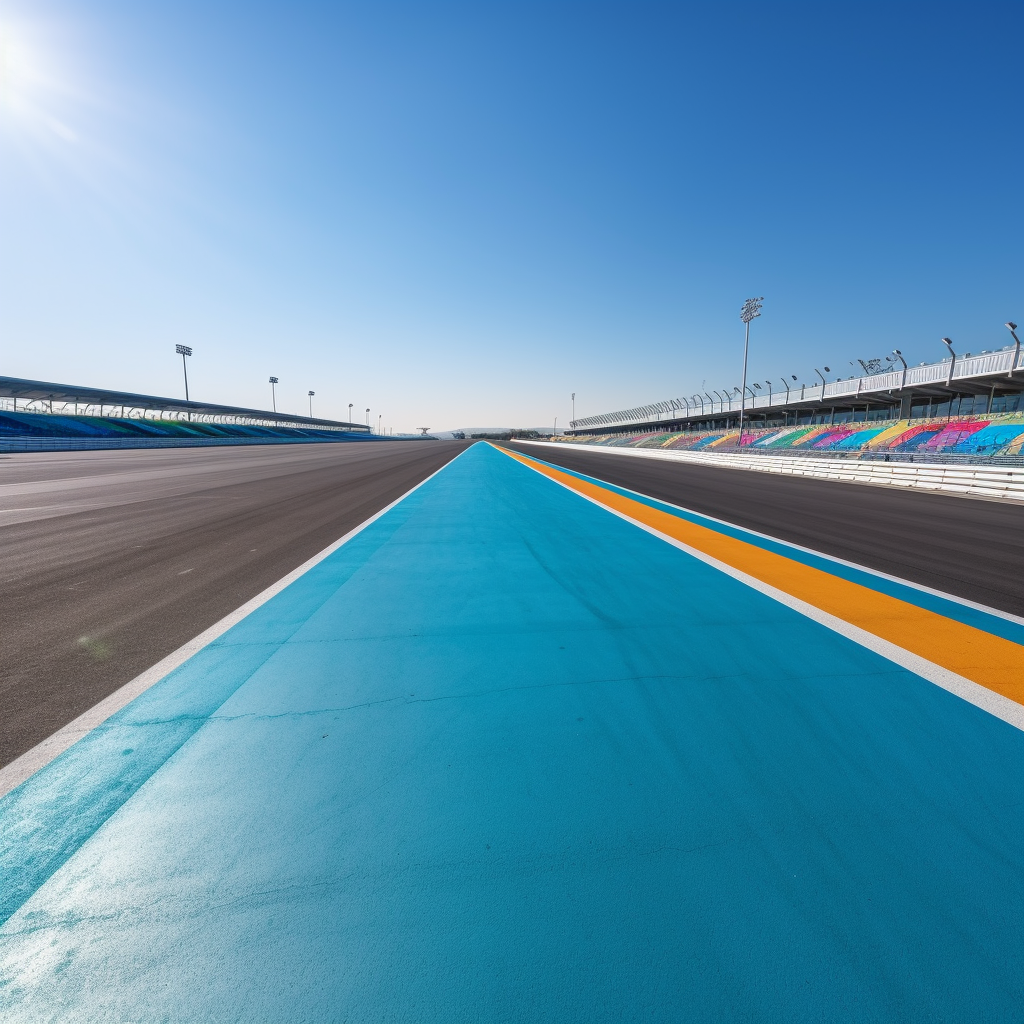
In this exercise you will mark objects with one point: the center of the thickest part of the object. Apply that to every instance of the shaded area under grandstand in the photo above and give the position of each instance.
(505, 756)
(109, 561)
(963, 546)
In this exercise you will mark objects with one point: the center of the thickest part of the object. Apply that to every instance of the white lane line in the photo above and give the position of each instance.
(967, 689)
(20, 769)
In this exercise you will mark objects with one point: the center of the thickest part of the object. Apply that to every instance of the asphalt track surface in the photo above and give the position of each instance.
(111, 560)
(509, 755)
(969, 547)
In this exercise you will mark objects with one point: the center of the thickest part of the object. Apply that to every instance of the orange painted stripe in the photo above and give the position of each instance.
(988, 660)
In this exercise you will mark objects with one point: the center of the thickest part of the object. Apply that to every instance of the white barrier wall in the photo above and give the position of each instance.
(984, 481)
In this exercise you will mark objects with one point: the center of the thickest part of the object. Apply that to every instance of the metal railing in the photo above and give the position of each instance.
(154, 414)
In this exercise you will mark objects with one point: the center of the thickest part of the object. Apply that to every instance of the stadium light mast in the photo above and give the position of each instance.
(274, 381)
(574, 410)
(367, 415)
(1012, 328)
(183, 351)
(751, 309)
(311, 394)
(350, 404)
(948, 342)
(899, 355)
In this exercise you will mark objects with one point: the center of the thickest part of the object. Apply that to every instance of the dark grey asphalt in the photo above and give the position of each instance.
(964, 546)
(111, 560)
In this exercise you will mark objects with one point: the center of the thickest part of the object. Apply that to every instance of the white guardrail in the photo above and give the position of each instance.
(1005, 482)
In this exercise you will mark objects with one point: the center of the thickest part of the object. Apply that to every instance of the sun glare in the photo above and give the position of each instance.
(17, 73)
(26, 86)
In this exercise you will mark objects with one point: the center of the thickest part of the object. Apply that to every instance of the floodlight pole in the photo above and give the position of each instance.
(903, 380)
(948, 342)
(350, 404)
(311, 394)
(1012, 328)
(183, 351)
(573, 411)
(274, 381)
(751, 308)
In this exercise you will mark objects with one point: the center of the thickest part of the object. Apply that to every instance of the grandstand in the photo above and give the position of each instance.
(965, 406)
(40, 416)
(994, 436)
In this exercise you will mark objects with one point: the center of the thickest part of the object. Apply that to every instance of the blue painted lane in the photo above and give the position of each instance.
(506, 757)
(980, 618)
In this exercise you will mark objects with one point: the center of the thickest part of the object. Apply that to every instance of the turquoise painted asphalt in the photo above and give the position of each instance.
(506, 757)
(996, 624)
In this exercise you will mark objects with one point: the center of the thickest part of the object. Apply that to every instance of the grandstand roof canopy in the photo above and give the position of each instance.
(44, 391)
(989, 372)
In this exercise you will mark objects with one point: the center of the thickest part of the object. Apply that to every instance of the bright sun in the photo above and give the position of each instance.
(25, 87)
(16, 69)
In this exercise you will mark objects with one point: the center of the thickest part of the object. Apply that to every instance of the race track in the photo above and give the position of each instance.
(529, 747)
(111, 560)
(970, 547)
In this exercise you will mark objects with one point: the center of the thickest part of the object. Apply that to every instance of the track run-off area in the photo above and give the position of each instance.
(528, 745)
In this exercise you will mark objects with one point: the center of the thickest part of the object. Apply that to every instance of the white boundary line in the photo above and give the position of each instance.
(974, 693)
(977, 606)
(21, 768)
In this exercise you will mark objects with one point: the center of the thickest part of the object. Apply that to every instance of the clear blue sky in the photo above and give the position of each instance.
(458, 214)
